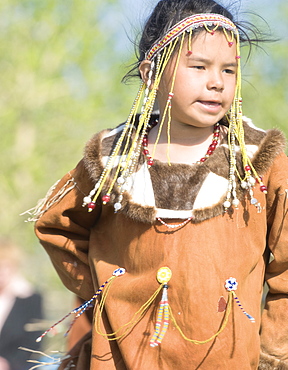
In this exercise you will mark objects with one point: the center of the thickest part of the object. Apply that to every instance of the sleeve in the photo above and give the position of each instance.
(274, 325)
(63, 229)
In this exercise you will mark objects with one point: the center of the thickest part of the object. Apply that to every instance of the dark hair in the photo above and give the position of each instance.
(169, 12)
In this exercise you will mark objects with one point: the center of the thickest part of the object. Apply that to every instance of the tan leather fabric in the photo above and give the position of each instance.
(85, 248)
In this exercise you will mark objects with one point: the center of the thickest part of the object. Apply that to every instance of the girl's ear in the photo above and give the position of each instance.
(144, 70)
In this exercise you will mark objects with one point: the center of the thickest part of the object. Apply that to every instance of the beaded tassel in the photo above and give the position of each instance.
(231, 197)
(162, 319)
(231, 285)
(90, 200)
(251, 318)
(126, 328)
(163, 276)
(86, 305)
(236, 131)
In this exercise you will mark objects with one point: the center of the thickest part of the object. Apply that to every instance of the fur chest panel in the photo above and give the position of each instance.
(180, 191)
(184, 187)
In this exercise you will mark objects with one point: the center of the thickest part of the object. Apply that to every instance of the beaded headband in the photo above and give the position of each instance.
(189, 24)
(125, 155)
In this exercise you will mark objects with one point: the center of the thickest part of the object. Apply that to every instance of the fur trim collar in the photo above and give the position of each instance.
(268, 362)
(180, 191)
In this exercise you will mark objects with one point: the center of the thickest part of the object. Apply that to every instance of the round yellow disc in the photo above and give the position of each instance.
(164, 275)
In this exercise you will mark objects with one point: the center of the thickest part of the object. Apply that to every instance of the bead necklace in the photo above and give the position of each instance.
(174, 226)
(210, 151)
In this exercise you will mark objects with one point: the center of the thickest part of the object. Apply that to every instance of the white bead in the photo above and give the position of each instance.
(254, 201)
(120, 180)
(87, 200)
(120, 271)
(244, 185)
(117, 206)
(251, 180)
(226, 204)
(96, 187)
(235, 202)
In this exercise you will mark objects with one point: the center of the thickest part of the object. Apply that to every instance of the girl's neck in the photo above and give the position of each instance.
(187, 143)
(182, 134)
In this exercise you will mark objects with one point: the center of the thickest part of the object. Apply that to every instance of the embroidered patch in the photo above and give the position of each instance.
(222, 304)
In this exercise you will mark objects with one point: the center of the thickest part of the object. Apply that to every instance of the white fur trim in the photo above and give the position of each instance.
(141, 189)
(114, 131)
(250, 149)
(212, 190)
(251, 124)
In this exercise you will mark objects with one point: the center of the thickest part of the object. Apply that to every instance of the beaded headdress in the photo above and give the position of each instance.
(124, 158)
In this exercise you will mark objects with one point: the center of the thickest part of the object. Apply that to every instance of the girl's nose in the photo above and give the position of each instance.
(215, 82)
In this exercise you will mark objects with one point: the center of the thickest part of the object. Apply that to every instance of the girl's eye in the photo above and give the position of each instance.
(229, 71)
(199, 67)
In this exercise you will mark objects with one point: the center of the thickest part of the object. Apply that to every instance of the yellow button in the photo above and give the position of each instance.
(164, 275)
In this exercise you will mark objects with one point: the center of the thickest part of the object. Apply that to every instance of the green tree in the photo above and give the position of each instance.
(60, 82)
(266, 77)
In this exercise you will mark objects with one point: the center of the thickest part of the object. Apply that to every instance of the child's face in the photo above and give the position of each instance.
(205, 81)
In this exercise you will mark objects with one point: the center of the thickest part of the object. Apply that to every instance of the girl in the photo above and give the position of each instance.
(167, 223)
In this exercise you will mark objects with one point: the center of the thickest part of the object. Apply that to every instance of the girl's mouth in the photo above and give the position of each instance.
(210, 106)
(210, 103)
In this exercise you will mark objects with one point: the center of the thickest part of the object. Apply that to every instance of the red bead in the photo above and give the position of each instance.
(145, 140)
(106, 198)
(145, 151)
(230, 43)
(247, 168)
(210, 151)
(203, 159)
(263, 188)
(215, 142)
(212, 146)
(91, 205)
(189, 53)
(216, 134)
(150, 162)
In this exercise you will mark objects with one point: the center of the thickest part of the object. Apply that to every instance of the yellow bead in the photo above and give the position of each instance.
(164, 275)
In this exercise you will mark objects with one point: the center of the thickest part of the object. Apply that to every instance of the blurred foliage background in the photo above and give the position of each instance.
(61, 64)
